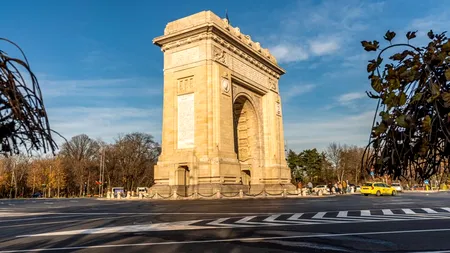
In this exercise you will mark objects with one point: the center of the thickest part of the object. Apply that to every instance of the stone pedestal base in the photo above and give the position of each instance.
(272, 188)
(227, 190)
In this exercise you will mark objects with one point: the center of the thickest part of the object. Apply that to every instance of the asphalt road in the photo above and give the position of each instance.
(411, 222)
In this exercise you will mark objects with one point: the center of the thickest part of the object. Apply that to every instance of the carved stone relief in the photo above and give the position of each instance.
(225, 84)
(219, 55)
(272, 84)
(185, 85)
(278, 108)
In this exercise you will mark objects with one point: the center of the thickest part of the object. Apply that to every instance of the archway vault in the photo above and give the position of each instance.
(247, 134)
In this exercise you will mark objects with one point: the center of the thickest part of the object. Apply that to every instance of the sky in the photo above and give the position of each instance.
(101, 75)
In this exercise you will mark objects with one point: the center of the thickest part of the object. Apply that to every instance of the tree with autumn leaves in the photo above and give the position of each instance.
(128, 162)
(411, 137)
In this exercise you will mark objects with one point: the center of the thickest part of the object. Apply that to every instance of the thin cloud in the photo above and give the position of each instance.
(321, 47)
(297, 90)
(285, 53)
(100, 87)
(318, 131)
(350, 97)
(104, 122)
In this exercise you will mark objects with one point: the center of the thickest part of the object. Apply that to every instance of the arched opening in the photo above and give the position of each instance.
(246, 137)
(182, 180)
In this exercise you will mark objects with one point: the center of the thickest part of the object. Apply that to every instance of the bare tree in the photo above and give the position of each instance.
(136, 155)
(334, 154)
(80, 154)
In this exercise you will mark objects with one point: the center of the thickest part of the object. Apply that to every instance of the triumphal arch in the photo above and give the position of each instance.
(222, 120)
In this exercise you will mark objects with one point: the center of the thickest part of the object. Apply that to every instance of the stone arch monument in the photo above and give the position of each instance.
(222, 120)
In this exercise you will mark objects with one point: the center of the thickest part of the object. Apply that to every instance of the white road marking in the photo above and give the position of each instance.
(296, 216)
(319, 215)
(245, 239)
(16, 214)
(246, 221)
(429, 210)
(63, 221)
(181, 225)
(39, 218)
(387, 212)
(446, 209)
(342, 214)
(408, 211)
(273, 218)
(219, 222)
(365, 212)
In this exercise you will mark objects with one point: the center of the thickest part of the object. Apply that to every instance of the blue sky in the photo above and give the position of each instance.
(101, 74)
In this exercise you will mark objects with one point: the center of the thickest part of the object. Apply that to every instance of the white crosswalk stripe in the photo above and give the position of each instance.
(408, 211)
(387, 212)
(365, 212)
(342, 214)
(446, 209)
(429, 210)
(296, 216)
(319, 215)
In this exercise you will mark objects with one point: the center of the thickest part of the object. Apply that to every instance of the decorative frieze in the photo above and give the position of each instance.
(224, 43)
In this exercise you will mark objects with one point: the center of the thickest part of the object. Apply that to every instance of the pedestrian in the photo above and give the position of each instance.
(310, 187)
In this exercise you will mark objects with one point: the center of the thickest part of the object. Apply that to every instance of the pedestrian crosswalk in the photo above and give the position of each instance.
(278, 219)
(318, 218)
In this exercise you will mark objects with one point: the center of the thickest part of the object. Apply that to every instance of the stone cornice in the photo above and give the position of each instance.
(229, 37)
(176, 41)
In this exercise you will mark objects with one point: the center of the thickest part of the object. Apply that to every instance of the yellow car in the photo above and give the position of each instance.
(378, 188)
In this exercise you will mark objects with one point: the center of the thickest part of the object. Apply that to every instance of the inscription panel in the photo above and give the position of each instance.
(186, 122)
(247, 71)
(185, 56)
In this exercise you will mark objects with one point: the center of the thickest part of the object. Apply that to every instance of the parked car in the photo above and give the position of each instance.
(398, 187)
(37, 195)
(378, 188)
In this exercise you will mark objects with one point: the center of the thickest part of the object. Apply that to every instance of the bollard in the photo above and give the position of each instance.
(218, 194)
(128, 195)
(119, 196)
(319, 193)
(304, 193)
(284, 193)
(108, 195)
(241, 194)
(141, 195)
(132, 194)
(174, 194)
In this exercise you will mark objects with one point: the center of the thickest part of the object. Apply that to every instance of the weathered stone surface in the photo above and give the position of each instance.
(222, 117)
